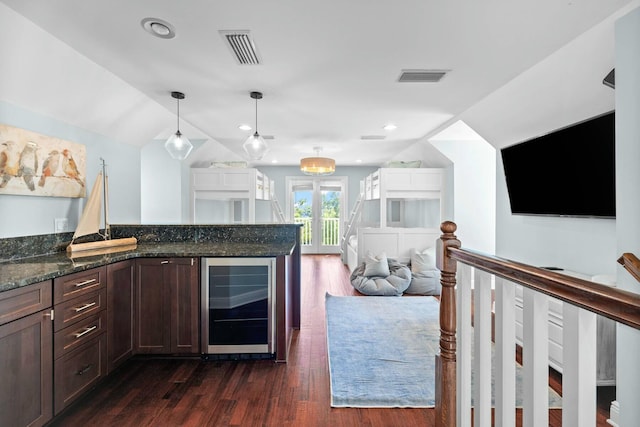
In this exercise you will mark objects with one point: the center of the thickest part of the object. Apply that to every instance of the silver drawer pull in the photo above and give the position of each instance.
(85, 283)
(84, 370)
(164, 262)
(86, 331)
(84, 307)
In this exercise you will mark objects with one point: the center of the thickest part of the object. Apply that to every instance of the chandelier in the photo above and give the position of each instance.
(317, 165)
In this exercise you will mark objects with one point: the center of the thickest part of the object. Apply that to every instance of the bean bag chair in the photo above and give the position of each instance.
(381, 276)
(425, 283)
(425, 277)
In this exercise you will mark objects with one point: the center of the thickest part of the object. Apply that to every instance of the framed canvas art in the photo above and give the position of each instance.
(38, 165)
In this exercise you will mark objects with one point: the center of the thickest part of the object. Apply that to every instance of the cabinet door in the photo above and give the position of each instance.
(120, 294)
(152, 332)
(78, 371)
(185, 305)
(26, 359)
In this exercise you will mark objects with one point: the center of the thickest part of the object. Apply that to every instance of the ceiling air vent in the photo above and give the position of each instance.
(242, 46)
(422, 76)
(372, 137)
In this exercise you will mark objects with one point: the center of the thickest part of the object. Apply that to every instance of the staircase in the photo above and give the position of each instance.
(277, 210)
(351, 228)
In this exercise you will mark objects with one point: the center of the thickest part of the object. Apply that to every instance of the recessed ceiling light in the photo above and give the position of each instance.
(389, 126)
(358, 161)
(158, 28)
(244, 127)
(274, 161)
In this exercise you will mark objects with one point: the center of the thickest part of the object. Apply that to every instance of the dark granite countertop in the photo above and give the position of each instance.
(26, 271)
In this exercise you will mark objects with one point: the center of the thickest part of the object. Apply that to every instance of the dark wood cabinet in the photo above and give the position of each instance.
(80, 357)
(167, 306)
(120, 305)
(26, 356)
(78, 370)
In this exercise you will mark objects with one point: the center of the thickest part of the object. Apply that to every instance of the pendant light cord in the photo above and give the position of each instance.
(178, 116)
(256, 116)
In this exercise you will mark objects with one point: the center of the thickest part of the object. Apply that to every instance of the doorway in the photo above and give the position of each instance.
(318, 204)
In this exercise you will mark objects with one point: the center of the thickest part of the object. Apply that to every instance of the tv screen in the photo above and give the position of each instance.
(568, 172)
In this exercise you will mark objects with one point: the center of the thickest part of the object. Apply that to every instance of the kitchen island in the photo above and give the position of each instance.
(76, 319)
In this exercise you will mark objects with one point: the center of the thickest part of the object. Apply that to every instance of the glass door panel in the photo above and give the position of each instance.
(316, 203)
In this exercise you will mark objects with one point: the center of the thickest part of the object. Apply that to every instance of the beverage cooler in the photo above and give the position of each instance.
(238, 306)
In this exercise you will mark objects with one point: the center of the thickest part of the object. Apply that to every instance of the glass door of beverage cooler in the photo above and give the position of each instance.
(238, 305)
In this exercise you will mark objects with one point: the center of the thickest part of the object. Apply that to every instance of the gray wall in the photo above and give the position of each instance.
(33, 215)
(628, 203)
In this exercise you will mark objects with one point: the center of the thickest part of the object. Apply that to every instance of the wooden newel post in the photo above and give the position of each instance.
(445, 404)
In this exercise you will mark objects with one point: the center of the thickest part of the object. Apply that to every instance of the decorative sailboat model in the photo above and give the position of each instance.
(90, 223)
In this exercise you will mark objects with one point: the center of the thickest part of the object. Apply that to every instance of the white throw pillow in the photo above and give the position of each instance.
(376, 265)
(423, 261)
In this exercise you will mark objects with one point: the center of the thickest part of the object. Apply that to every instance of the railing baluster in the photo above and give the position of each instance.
(535, 359)
(505, 338)
(579, 373)
(482, 348)
(464, 348)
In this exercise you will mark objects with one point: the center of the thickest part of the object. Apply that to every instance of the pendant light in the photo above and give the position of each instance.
(178, 145)
(317, 165)
(255, 146)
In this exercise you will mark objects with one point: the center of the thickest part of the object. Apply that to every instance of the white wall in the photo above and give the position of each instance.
(628, 203)
(579, 244)
(46, 76)
(161, 186)
(474, 176)
(533, 104)
(33, 215)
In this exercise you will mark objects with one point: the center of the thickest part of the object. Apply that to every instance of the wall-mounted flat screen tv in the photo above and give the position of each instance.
(568, 172)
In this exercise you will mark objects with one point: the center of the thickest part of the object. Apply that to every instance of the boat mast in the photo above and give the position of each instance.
(105, 205)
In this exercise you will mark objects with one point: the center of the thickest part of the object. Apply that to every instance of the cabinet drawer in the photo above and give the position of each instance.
(78, 371)
(79, 333)
(79, 308)
(74, 285)
(24, 301)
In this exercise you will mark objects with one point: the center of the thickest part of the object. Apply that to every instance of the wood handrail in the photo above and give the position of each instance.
(631, 263)
(616, 304)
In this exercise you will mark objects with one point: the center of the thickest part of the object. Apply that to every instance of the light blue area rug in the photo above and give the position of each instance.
(382, 352)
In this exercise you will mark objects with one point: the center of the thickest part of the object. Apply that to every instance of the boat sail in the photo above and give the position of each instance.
(89, 223)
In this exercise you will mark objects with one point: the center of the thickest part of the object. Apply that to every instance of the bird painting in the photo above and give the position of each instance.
(9, 161)
(50, 166)
(70, 168)
(39, 165)
(28, 164)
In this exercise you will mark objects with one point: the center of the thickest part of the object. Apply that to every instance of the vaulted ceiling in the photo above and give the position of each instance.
(329, 71)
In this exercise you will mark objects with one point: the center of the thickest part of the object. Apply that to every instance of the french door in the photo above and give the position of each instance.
(317, 203)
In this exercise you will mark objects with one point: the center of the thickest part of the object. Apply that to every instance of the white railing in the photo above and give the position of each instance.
(330, 229)
(466, 343)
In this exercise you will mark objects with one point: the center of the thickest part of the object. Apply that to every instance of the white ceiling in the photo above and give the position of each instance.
(329, 70)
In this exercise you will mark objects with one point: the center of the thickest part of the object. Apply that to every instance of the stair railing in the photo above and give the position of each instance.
(463, 269)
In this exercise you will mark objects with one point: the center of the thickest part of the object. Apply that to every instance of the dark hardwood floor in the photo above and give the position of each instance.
(192, 392)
